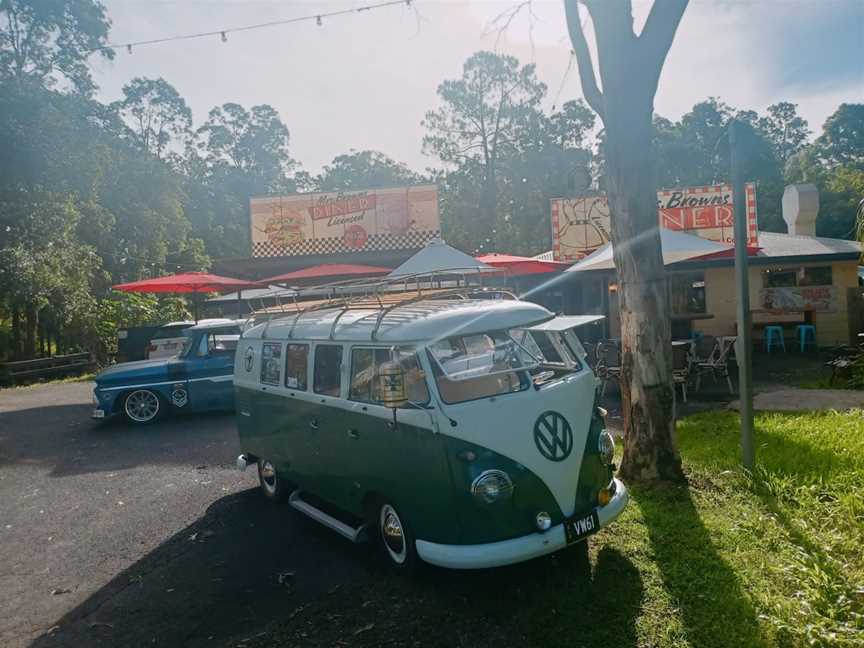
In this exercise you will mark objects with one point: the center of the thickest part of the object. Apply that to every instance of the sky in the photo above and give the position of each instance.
(365, 80)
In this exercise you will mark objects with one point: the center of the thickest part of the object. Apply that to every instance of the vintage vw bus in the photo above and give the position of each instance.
(460, 431)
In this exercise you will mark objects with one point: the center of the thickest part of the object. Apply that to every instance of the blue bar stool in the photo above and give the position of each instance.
(806, 334)
(774, 337)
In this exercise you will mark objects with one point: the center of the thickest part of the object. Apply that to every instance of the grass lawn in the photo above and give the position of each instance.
(776, 560)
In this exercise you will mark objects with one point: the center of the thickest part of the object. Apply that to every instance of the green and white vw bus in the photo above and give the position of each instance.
(460, 431)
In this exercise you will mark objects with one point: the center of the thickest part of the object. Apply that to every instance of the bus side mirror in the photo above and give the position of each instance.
(393, 392)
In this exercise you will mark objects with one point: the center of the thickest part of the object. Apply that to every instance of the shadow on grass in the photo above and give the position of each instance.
(714, 609)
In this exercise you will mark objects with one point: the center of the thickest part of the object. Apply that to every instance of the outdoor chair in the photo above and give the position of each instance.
(608, 364)
(717, 363)
(681, 367)
(703, 347)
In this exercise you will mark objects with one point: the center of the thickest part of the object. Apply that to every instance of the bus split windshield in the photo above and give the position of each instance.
(469, 367)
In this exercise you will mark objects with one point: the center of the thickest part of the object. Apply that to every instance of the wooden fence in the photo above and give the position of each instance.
(55, 367)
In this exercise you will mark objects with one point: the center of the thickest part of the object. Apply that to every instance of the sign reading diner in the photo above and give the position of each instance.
(581, 225)
(336, 222)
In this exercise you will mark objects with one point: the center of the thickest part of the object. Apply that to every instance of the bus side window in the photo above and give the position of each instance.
(296, 365)
(271, 363)
(328, 369)
(366, 375)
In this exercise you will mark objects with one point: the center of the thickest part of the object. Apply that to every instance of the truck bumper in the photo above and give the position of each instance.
(506, 552)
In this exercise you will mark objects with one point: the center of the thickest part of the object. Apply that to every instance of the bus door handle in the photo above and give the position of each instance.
(313, 423)
(353, 433)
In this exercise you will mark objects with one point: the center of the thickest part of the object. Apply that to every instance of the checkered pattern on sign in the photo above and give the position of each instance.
(334, 245)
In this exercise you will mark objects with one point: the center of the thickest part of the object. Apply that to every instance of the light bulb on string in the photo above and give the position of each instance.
(318, 21)
(224, 37)
(129, 48)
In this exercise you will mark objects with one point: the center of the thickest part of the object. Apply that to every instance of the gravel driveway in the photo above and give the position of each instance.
(112, 535)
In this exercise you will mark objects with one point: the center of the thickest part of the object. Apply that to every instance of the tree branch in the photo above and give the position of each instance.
(659, 32)
(590, 89)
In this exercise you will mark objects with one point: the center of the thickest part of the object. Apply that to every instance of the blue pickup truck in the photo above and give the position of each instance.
(198, 378)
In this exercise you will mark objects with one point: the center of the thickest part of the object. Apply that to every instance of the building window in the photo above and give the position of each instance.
(687, 292)
(296, 364)
(791, 277)
(271, 363)
(819, 276)
(328, 369)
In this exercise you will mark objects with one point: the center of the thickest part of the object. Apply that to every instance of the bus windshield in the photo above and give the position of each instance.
(478, 366)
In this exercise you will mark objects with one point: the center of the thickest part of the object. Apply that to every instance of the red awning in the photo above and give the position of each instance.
(186, 282)
(519, 265)
(328, 270)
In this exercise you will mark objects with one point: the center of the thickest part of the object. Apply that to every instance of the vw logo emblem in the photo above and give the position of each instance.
(553, 436)
(250, 358)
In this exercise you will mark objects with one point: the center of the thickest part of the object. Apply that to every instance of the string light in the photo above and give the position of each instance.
(223, 33)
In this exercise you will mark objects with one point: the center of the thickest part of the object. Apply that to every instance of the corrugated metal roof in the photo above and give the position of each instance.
(774, 244)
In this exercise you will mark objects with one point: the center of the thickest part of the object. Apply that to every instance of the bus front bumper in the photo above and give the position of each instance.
(507, 552)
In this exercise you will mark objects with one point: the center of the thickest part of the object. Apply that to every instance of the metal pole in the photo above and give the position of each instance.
(744, 348)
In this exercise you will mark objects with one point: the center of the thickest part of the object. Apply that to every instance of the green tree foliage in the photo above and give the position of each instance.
(237, 154)
(46, 42)
(362, 170)
(156, 114)
(44, 269)
(504, 157)
(694, 151)
(834, 162)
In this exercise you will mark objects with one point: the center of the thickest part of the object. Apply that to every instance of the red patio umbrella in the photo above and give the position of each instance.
(187, 282)
(520, 265)
(327, 270)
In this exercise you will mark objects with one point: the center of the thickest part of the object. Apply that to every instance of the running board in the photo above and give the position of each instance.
(352, 534)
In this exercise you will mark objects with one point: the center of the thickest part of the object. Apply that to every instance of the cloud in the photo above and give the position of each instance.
(365, 80)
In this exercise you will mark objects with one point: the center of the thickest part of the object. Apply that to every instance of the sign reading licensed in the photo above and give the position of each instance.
(399, 218)
(581, 225)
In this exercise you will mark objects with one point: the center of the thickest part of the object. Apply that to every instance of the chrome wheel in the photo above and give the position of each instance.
(393, 534)
(141, 406)
(269, 481)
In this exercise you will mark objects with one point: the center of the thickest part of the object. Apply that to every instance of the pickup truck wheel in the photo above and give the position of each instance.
(272, 485)
(397, 540)
(142, 406)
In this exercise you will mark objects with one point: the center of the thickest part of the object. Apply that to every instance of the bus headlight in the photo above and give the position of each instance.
(606, 447)
(492, 486)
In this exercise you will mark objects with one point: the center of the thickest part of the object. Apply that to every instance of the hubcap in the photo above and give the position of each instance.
(393, 535)
(142, 406)
(268, 477)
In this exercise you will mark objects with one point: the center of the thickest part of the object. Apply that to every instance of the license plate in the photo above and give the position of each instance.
(578, 528)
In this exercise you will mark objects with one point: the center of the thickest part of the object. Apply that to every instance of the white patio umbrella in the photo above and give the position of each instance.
(439, 258)
(677, 246)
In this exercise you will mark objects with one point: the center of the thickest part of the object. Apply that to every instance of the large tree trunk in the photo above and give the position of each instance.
(629, 69)
(643, 298)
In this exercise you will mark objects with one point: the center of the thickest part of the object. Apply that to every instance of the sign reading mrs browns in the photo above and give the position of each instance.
(581, 225)
(399, 218)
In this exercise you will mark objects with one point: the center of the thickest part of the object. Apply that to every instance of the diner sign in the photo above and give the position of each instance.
(799, 298)
(581, 225)
(401, 218)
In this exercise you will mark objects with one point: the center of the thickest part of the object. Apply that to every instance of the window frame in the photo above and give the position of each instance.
(341, 348)
(306, 346)
(522, 374)
(405, 351)
(265, 362)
